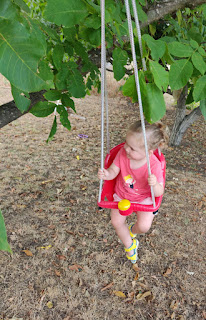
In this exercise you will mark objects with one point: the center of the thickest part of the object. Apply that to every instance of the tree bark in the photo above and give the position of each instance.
(158, 10)
(9, 111)
(186, 123)
(182, 121)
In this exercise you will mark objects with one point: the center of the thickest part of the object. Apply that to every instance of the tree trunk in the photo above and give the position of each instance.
(182, 121)
(9, 112)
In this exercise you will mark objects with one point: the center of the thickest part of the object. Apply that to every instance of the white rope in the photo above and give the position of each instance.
(103, 67)
(107, 110)
(138, 90)
(139, 33)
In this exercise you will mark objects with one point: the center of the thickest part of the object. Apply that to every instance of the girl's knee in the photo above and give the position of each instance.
(143, 227)
(116, 219)
(144, 222)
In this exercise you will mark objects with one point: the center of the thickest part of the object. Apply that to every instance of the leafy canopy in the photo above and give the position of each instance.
(52, 46)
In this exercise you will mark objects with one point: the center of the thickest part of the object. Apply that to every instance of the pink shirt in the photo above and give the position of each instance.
(132, 184)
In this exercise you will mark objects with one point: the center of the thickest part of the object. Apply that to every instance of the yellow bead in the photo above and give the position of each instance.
(124, 205)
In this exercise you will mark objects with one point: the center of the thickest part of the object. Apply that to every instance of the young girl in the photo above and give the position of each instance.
(133, 183)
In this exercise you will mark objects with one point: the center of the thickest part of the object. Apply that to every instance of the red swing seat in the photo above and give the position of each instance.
(108, 185)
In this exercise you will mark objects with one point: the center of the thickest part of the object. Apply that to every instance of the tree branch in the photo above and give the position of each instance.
(161, 9)
(9, 111)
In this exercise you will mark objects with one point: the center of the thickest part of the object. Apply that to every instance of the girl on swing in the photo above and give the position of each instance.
(133, 182)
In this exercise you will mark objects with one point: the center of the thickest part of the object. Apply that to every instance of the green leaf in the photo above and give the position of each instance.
(52, 33)
(64, 117)
(67, 102)
(70, 33)
(129, 89)
(119, 61)
(46, 73)
(199, 92)
(20, 52)
(199, 62)
(161, 77)
(94, 37)
(80, 50)
(202, 51)
(142, 16)
(57, 56)
(152, 98)
(93, 21)
(3, 236)
(8, 10)
(75, 83)
(157, 47)
(194, 44)
(180, 73)
(21, 101)
(61, 77)
(153, 103)
(179, 49)
(43, 109)
(194, 33)
(52, 95)
(204, 10)
(66, 13)
(142, 2)
(203, 108)
(53, 130)
(22, 5)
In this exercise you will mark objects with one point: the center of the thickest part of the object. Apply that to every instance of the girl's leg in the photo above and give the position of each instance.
(144, 222)
(118, 222)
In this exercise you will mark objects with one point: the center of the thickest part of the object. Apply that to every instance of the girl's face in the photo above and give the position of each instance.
(134, 146)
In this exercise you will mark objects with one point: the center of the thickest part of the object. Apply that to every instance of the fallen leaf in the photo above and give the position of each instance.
(135, 267)
(46, 181)
(49, 304)
(167, 272)
(59, 191)
(28, 253)
(119, 294)
(77, 157)
(107, 286)
(142, 285)
(47, 247)
(58, 274)
(141, 296)
(81, 234)
(174, 305)
(76, 267)
(136, 277)
(70, 232)
(138, 297)
(61, 257)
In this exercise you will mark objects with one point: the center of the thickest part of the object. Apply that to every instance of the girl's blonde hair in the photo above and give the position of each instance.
(156, 133)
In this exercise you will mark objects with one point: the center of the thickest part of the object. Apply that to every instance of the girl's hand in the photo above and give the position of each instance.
(103, 174)
(152, 180)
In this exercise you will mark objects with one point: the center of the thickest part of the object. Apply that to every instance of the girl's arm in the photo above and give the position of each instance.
(157, 187)
(110, 173)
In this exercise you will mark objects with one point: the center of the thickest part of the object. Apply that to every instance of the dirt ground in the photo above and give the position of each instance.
(67, 262)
